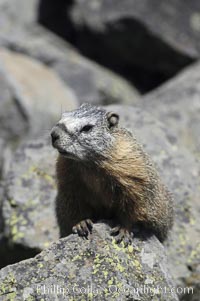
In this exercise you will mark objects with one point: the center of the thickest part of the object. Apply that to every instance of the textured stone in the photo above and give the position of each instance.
(30, 190)
(17, 14)
(89, 81)
(95, 269)
(5, 157)
(31, 94)
(177, 105)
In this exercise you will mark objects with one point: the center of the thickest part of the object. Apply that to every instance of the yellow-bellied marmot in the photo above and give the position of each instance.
(104, 173)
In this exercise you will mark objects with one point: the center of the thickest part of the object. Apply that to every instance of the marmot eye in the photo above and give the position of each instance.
(86, 128)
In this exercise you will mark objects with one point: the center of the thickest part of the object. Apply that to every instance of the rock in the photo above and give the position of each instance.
(147, 41)
(95, 84)
(1, 218)
(89, 81)
(94, 269)
(32, 94)
(2, 150)
(180, 170)
(5, 156)
(30, 190)
(9, 252)
(177, 105)
(6, 253)
(178, 21)
(9, 127)
(11, 21)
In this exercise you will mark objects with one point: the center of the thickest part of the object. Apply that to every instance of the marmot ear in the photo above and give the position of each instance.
(113, 119)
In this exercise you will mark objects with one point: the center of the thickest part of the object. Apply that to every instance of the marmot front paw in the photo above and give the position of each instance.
(122, 235)
(83, 228)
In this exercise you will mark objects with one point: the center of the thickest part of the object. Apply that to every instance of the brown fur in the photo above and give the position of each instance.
(124, 186)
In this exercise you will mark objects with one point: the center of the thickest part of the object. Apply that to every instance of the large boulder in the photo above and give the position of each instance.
(94, 269)
(16, 15)
(148, 41)
(30, 190)
(5, 157)
(177, 105)
(2, 151)
(89, 81)
(2, 147)
(31, 98)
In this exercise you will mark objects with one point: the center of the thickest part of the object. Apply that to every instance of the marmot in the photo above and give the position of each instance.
(104, 173)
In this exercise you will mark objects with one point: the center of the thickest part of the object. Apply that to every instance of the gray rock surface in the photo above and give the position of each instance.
(89, 81)
(32, 94)
(7, 103)
(1, 219)
(2, 146)
(94, 269)
(5, 157)
(177, 105)
(30, 190)
(2, 150)
(16, 14)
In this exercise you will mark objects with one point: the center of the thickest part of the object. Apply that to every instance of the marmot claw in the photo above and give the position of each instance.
(122, 235)
(83, 228)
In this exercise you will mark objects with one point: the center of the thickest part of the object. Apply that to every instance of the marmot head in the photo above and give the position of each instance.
(85, 133)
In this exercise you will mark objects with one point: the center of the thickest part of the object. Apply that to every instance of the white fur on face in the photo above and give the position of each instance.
(73, 124)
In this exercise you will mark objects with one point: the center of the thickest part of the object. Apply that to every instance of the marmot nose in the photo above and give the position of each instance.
(54, 135)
